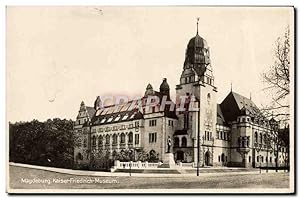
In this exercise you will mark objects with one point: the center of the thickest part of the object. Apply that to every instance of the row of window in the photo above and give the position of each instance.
(243, 119)
(152, 122)
(79, 121)
(189, 79)
(207, 135)
(171, 123)
(259, 138)
(223, 135)
(114, 139)
(261, 159)
(243, 141)
(222, 158)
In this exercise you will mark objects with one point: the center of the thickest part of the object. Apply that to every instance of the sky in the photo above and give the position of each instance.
(59, 56)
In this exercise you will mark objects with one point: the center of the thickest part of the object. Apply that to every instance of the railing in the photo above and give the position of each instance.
(147, 165)
(135, 165)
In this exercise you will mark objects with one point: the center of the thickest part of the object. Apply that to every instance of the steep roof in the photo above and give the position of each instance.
(117, 113)
(234, 103)
(91, 111)
(220, 116)
(126, 112)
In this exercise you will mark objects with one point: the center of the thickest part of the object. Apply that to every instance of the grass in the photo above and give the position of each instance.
(238, 181)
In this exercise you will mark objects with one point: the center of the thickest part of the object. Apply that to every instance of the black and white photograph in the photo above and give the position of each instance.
(150, 99)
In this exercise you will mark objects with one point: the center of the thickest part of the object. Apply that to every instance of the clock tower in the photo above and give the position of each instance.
(197, 80)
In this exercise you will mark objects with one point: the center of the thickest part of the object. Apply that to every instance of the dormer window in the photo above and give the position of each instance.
(118, 118)
(103, 120)
(125, 117)
(110, 119)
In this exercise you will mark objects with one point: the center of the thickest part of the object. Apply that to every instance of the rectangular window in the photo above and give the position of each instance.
(152, 122)
(249, 158)
(171, 123)
(152, 137)
(136, 138)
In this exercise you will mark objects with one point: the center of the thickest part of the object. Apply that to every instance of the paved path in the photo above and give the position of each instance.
(116, 174)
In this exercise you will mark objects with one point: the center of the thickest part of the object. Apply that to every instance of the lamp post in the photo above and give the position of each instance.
(130, 161)
(267, 144)
(260, 163)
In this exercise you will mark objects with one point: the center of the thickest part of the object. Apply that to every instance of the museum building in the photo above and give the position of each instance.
(231, 133)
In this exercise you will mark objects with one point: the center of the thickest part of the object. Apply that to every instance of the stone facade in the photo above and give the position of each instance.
(228, 134)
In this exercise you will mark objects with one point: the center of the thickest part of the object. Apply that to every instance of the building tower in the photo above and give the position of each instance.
(197, 80)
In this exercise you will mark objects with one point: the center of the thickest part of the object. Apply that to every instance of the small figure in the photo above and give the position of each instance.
(169, 142)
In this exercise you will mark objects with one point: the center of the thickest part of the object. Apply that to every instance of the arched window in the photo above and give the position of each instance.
(260, 138)
(85, 142)
(100, 141)
(94, 140)
(256, 137)
(183, 142)
(223, 157)
(122, 138)
(176, 142)
(115, 139)
(265, 139)
(208, 98)
(79, 156)
(130, 138)
(107, 139)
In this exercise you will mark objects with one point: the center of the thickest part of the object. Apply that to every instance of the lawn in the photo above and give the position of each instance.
(26, 178)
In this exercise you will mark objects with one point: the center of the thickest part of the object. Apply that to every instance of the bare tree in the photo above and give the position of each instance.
(277, 79)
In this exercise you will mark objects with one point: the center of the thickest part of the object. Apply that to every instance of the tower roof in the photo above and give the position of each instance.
(149, 86)
(164, 85)
(197, 41)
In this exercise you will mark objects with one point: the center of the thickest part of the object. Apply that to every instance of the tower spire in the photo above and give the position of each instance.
(197, 24)
(230, 86)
